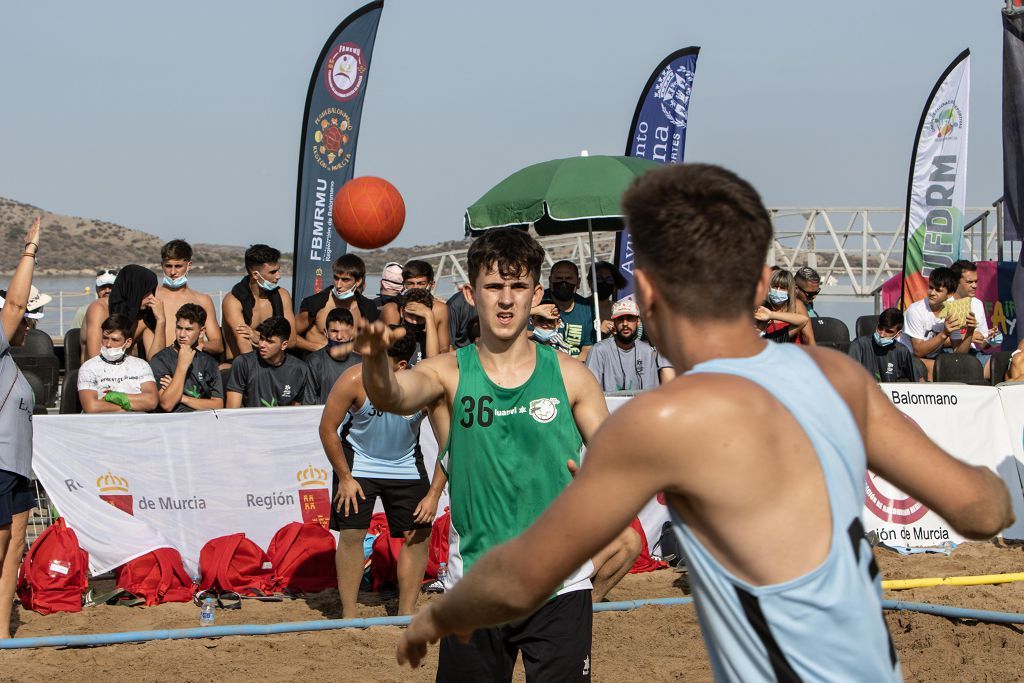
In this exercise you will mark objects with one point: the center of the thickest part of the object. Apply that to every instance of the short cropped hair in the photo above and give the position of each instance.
(176, 249)
(340, 315)
(275, 326)
(416, 268)
(421, 296)
(350, 264)
(808, 274)
(403, 348)
(944, 278)
(889, 318)
(960, 266)
(513, 252)
(194, 313)
(566, 262)
(260, 254)
(693, 223)
(118, 322)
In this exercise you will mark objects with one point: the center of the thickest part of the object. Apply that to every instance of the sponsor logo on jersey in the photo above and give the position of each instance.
(544, 410)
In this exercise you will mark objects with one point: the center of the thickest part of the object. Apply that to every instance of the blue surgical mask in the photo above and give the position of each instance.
(331, 343)
(544, 335)
(176, 283)
(997, 339)
(778, 296)
(347, 294)
(883, 341)
(266, 284)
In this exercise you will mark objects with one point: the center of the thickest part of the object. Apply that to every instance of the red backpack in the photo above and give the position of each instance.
(236, 564)
(384, 557)
(303, 558)
(438, 544)
(52, 577)
(154, 578)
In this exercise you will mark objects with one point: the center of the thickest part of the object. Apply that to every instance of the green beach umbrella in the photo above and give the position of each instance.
(559, 197)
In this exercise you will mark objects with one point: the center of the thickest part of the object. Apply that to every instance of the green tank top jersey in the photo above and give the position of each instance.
(505, 457)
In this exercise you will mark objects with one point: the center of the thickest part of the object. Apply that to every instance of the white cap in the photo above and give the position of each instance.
(105, 279)
(36, 301)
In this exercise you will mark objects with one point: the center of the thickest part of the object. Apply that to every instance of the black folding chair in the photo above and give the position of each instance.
(999, 366)
(831, 332)
(72, 349)
(866, 324)
(959, 367)
(69, 403)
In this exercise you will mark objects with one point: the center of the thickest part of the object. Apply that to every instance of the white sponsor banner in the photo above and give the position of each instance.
(966, 421)
(128, 484)
(1011, 396)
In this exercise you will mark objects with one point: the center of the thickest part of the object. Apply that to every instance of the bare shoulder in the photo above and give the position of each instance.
(203, 299)
(575, 374)
(229, 298)
(286, 299)
(441, 364)
(847, 376)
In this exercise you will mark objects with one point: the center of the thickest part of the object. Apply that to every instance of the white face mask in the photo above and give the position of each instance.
(112, 354)
(346, 294)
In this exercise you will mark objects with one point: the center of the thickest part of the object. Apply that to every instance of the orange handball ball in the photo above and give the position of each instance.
(368, 212)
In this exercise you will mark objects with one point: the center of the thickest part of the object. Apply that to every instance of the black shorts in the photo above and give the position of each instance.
(400, 498)
(16, 496)
(554, 641)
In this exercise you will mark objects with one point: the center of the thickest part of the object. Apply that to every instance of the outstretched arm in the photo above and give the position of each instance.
(21, 282)
(403, 393)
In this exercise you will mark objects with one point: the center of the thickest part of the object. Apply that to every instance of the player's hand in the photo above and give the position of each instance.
(423, 631)
(426, 509)
(972, 322)
(347, 498)
(419, 310)
(186, 354)
(549, 311)
(245, 332)
(155, 305)
(373, 339)
(607, 327)
(165, 381)
(950, 326)
(762, 314)
(32, 236)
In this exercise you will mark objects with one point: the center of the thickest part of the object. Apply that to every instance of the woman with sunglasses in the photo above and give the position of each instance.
(16, 404)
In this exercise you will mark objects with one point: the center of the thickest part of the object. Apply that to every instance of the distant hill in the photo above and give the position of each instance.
(81, 246)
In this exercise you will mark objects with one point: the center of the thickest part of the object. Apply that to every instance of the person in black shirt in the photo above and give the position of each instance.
(349, 276)
(881, 352)
(268, 377)
(189, 379)
(460, 314)
(328, 364)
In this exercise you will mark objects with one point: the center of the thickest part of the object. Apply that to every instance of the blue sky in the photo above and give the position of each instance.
(183, 119)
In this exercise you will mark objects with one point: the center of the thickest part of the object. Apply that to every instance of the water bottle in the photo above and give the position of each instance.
(206, 615)
(947, 548)
(442, 573)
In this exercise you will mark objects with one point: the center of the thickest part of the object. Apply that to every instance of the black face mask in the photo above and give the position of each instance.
(415, 328)
(605, 290)
(562, 291)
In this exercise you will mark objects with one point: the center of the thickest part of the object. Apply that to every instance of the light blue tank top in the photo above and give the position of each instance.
(384, 445)
(828, 623)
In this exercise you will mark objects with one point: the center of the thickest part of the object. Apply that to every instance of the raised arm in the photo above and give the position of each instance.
(21, 282)
(403, 393)
(972, 499)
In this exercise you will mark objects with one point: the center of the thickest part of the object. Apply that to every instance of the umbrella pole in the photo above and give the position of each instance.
(593, 282)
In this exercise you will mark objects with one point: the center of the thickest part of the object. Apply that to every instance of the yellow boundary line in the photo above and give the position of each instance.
(980, 580)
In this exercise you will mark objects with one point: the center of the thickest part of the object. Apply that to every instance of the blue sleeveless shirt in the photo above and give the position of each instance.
(828, 623)
(383, 445)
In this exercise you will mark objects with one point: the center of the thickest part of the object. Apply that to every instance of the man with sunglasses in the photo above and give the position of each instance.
(808, 286)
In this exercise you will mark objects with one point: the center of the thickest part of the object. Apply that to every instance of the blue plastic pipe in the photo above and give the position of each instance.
(330, 624)
(265, 629)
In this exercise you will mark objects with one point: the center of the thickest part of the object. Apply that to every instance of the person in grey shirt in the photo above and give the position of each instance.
(460, 314)
(326, 365)
(624, 363)
(269, 377)
(16, 405)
